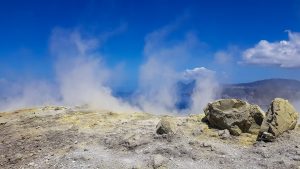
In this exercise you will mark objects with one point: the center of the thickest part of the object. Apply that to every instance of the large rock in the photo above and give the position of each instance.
(281, 116)
(235, 115)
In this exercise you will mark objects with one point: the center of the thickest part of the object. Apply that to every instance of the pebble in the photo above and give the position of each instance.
(296, 158)
(158, 160)
(206, 145)
(224, 134)
(198, 131)
(32, 164)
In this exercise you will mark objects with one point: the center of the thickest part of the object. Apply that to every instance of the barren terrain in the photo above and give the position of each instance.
(60, 137)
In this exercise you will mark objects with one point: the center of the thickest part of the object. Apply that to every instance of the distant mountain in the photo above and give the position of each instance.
(264, 91)
(259, 92)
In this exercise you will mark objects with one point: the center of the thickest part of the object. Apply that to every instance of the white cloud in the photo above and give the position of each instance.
(285, 53)
(197, 72)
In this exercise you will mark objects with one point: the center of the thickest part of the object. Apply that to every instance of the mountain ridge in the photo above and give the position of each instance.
(263, 91)
(260, 92)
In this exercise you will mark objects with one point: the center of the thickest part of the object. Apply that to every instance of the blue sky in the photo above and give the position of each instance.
(229, 29)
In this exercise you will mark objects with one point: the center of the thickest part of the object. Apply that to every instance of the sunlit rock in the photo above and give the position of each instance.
(280, 117)
(235, 115)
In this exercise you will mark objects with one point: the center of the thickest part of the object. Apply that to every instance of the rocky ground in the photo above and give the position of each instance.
(59, 137)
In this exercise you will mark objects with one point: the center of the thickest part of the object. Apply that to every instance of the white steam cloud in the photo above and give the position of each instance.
(81, 77)
(206, 88)
(81, 74)
(161, 72)
(285, 53)
(28, 93)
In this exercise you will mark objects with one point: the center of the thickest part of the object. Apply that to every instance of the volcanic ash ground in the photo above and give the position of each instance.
(61, 137)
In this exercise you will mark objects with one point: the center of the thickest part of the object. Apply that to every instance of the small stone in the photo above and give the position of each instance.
(19, 156)
(2, 123)
(137, 166)
(158, 161)
(57, 108)
(197, 131)
(134, 141)
(16, 158)
(204, 144)
(224, 134)
(296, 158)
(164, 127)
(207, 145)
(32, 164)
(192, 143)
(265, 136)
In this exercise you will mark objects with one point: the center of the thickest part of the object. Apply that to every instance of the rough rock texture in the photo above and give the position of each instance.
(235, 115)
(281, 116)
(165, 126)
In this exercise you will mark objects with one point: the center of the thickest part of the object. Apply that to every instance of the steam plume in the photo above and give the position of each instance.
(81, 74)
(82, 78)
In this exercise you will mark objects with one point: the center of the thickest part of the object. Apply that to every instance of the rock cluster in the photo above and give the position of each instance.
(238, 117)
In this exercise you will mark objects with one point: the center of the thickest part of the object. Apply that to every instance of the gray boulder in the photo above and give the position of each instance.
(235, 115)
(280, 117)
